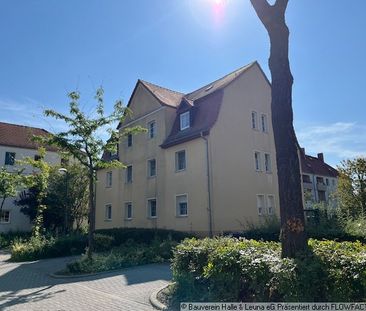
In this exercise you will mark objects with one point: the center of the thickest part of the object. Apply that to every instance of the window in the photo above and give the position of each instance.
(108, 212)
(260, 204)
(4, 217)
(9, 158)
(306, 179)
(264, 123)
(108, 179)
(254, 120)
(151, 206)
(257, 159)
(180, 160)
(114, 153)
(270, 204)
(129, 174)
(151, 166)
(185, 120)
(64, 162)
(333, 182)
(152, 129)
(128, 210)
(37, 157)
(327, 181)
(267, 162)
(129, 140)
(181, 205)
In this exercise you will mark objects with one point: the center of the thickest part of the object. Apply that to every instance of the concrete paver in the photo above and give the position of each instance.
(27, 286)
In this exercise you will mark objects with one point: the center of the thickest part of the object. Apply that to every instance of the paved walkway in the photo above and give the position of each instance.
(27, 286)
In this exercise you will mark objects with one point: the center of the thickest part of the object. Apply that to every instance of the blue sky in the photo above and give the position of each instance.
(51, 47)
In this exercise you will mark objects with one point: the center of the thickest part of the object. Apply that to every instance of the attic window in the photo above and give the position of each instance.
(209, 88)
(185, 121)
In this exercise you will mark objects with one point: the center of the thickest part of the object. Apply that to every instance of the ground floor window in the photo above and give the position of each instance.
(260, 204)
(128, 210)
(5, 217)
(151, 206)
(108, 212)
(181, 205)
(270, 204)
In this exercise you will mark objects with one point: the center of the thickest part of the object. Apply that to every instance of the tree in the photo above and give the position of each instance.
(351, 191)
(65, 195)
(10, 182)
(293, 236)
(38, 180)
(68, 195)
(81, 141)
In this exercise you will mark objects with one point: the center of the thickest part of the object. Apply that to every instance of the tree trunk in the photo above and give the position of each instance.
(91, 214)
(293, 236)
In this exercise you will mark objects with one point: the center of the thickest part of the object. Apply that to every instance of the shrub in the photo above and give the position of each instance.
(7, 239)
(130, 254)
(228, 269)
(103, 242)
(142, 235)
(47, 247)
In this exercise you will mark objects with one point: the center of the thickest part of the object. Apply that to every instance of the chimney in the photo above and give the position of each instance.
(303, 150)
(321, 156)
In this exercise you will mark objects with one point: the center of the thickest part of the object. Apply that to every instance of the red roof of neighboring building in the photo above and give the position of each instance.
(20, 136)
(316, 165)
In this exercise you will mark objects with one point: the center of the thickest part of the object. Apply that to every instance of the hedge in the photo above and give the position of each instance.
(142, 235)
(229, 269)
(75, 244)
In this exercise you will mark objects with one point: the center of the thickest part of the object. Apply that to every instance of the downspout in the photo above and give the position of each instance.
(208, 186)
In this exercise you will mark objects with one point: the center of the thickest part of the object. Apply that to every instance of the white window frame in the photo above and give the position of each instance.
(13, 158)
(261, 212)
(2, 217)
(177, 161)
(259, 168)
(148, 205)
(149, 168)
(106, 215)
(151, 133)
(177, 208)
(264, 126)
(108, 179)
(185, 120)
(269, 212)
(126, 205)
(267, 166)
(254, 120)
(127, 180)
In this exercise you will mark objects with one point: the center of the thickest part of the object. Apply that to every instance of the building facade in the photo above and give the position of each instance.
(206, 163)
(319, 180)
(16, 144)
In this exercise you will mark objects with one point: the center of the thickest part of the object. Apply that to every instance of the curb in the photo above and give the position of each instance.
(76, 276)
(154, 300)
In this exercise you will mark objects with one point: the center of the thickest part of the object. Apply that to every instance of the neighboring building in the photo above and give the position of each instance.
(206, 164)
(319, 179)
(16, 144)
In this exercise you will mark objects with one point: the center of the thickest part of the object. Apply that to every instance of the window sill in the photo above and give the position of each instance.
(128, 219)
(181, 216)
(107, 220)
(151, 177)
(152, 217)
(179, 171)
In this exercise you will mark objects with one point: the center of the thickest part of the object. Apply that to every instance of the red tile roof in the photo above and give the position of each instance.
(20, 136)
(315, 166)
(164, 95)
